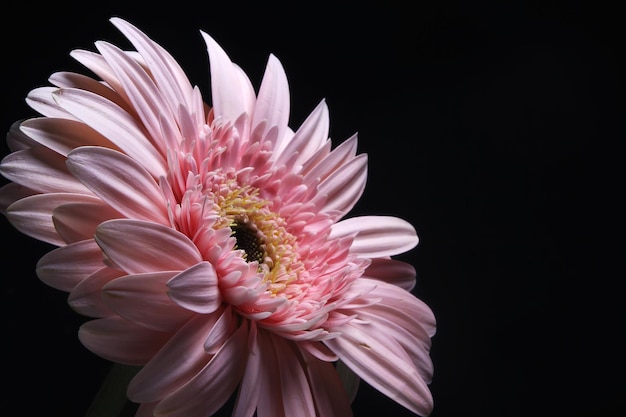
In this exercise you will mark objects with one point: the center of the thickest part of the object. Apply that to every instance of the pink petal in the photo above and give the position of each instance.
(230, 94)
(139, 246)
(382, 363)
(142, 299)
(61, 135)
(342, 154)
(186, 126)
(86, 297)
(242, 122)
(177, 362)
(120, 181)
(10, 193)
(405, 319)
(205, 393)
(309, 137)
(377, 236)
(294, 194)
(343, 188)
(318, 350)
(393, 272)
(407, 306)
(66, 79)
(78, 221)
(33, 215)
(114, 123)
(221, 331)
(272, 104)
(16, 139)
(65, 267)
(98, 65)
(151, 107)
(167, 73)
(270, 396)
(119, 340)
(40, 169)
(82, 82)
(296, 392)
(413, 339)
(314, 160)
(196, 288)
(248, 395)
(41, 100)
(239, 295)
(331, 399)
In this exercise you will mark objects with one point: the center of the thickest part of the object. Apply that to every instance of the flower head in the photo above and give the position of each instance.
(210, 243)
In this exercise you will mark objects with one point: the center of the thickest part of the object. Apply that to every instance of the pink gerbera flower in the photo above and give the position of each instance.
(209, 242)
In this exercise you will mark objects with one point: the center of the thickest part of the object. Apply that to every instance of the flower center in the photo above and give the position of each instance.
(260, 233)
(249, 240)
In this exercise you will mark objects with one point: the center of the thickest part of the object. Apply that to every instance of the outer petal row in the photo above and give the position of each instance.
(214, 383)
(33, 215)
(179, 360)
(114, 123)
(62, 135)
(122, 341)
(40, 169)
(120, 181)
(384, 365)
(162, 66)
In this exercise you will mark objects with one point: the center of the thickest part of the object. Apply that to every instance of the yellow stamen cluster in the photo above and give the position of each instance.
(261, 234)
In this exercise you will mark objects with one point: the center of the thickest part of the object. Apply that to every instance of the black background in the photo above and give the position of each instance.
(494, 128)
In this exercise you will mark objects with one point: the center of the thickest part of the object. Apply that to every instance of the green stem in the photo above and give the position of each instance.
(111, 398)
